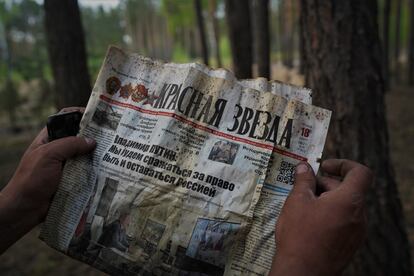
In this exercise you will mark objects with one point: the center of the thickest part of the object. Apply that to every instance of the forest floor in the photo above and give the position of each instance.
(30, 256)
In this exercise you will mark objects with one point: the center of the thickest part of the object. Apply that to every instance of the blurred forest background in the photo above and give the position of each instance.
(357, 56)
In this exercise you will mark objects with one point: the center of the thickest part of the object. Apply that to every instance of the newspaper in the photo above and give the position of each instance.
(288, 91)
(190, 170)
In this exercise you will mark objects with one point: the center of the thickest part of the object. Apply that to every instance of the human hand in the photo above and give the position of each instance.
(318, 235)
(26, 198)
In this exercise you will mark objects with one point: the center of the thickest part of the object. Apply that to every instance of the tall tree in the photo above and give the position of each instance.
(8, 91)
(238, 21)
(397, 41)
(287, 26)
(282, 32)
(136, 15)
(302, 54)
(212, 9)
(411, 46)
(66, 47)
(24, 34)
(386, 41)
(343, 67)
(201, 30)
(181, 21)
(261, 36)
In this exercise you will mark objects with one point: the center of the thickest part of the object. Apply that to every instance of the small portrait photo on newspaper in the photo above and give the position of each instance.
(211, 240)
(152, 235)
(107, 116)
(224, 152)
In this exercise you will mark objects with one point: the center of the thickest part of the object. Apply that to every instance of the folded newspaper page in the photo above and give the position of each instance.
(190, 171)
(262, 84)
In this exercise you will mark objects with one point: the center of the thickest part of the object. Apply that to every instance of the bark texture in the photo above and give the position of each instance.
(262, 37)
(397, 41)
(344, 67)
(239, 29)
(201, 30)
(67, 54)
(411, 46)
(386, 42)
(212, 9)
(286, 27)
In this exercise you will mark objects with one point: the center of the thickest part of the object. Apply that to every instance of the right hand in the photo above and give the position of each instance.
(318, 235)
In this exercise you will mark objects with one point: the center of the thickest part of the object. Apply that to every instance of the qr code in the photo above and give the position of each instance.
(286, 173)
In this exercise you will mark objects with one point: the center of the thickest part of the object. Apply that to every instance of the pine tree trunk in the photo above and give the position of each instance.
(343, 66)
(411, 46)
(386, 42)
(290, 29)
(149, 35)
(67, 54)
(216, 31)
(286, 23)
(201, 30)
(282, 31)
(302, 54)
(262, 36)
(397, 41)
(193, 42)
(238, 21)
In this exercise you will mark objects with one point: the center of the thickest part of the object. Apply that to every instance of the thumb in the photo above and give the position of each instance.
(305, 180)
(68, 147)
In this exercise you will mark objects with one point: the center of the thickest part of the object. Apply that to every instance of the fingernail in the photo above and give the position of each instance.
(302, 168)
(89, 141)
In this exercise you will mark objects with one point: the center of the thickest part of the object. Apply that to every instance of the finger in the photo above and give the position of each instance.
(356, 177)
(328, 183)
(41, 138)
(358, 180)
(338, 167)
(305, 180)
(72, 108)
(65, 148)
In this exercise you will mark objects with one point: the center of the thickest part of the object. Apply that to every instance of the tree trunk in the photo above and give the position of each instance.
(262, 36)
(8, 92)
(302, 53)
(201, 30)
(386, 42)
(5, 49)
(192, 42)
(286, 19)
(67, 54)
(238, 21)
(282, 32)
(216, 31)
(152, 49)
(397, 41)
(411, 46)
(295, 34)
(343, 67)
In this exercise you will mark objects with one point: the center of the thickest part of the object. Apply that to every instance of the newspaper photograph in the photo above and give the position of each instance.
(190, 172)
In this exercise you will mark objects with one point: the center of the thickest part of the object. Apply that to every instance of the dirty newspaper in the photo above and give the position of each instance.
(190, 171)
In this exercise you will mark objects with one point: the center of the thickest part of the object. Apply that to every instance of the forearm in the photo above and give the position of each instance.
(16, 218)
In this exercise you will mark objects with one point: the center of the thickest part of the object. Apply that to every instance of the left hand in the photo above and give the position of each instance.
(25, 200)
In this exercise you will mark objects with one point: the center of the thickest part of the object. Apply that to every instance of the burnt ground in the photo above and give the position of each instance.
(30, 256)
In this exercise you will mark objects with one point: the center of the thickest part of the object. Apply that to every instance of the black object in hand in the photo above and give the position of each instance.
(63, 124)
